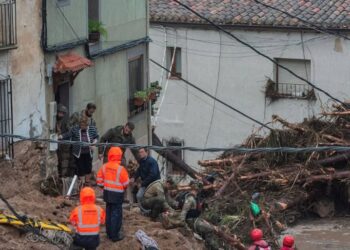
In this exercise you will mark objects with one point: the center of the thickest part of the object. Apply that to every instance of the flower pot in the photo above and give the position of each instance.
(152, 96)
(138, 101)
(94, 37)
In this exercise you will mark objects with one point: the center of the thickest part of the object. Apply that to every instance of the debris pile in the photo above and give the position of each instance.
(274, 190)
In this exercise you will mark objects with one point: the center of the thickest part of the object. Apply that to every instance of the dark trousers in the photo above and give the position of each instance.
(114, 217)
(86, 242)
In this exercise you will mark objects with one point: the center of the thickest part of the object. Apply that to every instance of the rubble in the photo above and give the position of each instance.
(291, 186)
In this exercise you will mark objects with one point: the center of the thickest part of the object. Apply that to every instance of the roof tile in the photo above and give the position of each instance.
(330, 14)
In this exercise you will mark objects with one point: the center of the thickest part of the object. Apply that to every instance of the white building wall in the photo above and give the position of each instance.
(214, 61)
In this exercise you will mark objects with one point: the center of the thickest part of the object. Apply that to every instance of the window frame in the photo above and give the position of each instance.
(174, 74)
(132, 109)
(171, 168)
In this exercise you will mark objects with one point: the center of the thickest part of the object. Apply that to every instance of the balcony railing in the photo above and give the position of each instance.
(8, 29)
(291, 90)
(6, 118)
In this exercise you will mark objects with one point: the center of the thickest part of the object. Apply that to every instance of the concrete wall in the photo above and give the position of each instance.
(58, 28)
(106, 84)
(238, 76)
(125, 20)
(25, 65)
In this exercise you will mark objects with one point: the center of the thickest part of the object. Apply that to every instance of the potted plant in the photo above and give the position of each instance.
(156, 86)
(96, 29)
(154, 90)
(140, 97)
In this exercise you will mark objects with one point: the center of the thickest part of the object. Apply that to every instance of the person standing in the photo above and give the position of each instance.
(63, 150)
(148, 171)
(83, 154)
(87, 218)
(87, 112)
(119, 134)
(114, 179)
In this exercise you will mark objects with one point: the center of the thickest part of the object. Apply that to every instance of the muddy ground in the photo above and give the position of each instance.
(20, 185)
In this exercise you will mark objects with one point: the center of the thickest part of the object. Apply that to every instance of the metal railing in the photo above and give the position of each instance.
(292, 90)
(6, 118)
(8, 29)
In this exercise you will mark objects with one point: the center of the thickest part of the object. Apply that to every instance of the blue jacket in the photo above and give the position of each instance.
(148, 171)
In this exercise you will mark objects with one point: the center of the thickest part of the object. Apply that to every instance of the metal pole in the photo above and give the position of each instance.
(72, 185)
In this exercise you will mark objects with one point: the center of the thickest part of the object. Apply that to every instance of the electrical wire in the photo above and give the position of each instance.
(258, 52)
(235, 149)
(213, 97)
(310, 24)
(66, 19)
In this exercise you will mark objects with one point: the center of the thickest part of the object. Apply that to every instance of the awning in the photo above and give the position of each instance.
(71, 63)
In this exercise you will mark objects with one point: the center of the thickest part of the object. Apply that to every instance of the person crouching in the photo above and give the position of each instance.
(87, 218)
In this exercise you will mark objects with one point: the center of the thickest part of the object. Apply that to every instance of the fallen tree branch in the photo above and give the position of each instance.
(276, 118)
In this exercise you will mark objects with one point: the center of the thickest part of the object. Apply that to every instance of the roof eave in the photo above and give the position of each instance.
(244, 26)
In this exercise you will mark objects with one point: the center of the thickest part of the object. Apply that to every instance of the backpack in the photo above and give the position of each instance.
(193, 213)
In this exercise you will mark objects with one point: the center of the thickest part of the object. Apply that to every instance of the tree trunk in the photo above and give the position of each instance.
(334, 159)
(174, 159)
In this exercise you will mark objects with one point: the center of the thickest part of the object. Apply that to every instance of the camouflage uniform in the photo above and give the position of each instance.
(115, 135)
(155, 199)
(63, 150)
(76, 117)
(178, 219)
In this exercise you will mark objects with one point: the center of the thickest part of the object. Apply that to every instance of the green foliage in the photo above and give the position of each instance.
(141, 94)
(97, 26)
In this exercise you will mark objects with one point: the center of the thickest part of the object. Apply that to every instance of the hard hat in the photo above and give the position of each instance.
(288, 241)
(256, 234)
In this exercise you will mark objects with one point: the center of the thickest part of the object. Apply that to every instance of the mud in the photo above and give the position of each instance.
(20, 182)
(330, 234)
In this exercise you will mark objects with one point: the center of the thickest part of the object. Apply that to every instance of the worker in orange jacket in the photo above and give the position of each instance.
(87, 219)
(114, 179)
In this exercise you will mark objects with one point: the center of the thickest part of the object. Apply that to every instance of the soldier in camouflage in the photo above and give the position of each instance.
(87, 112)
(157, 199)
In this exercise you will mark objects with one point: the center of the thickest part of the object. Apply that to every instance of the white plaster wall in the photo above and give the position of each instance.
(240, 76)
(25, 65)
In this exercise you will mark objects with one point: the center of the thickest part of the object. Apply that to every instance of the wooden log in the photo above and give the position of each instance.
(276, 118)
(334, 159)
(328, 177)
(173, 158)
(337, 113)
(205, 187)
(333, 138)
(221, 162)
(282, 205)
(227, 182)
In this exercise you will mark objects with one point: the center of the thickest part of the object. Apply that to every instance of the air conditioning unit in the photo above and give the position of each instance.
(52, 115)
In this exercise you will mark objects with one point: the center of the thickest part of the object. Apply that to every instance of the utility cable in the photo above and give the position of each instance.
(236, 149)
(216, 99)
(69, 24)
(310, 24)
(258, 52)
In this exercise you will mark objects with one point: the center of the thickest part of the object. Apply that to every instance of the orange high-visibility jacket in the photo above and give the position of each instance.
(87, 217)
(112, 176)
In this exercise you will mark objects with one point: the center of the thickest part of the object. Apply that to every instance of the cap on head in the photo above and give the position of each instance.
(288, 241)
(256, 234)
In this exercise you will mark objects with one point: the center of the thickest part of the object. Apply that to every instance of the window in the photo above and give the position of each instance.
(94, 10)
(6, 117)
(8, 31)
(287, 85)
(174, 61)
(61, 3)
(171, 168)
(135, 83)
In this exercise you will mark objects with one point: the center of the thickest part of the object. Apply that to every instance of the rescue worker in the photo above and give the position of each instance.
(256, 236)
(87, 218)
(63, 150)
(156, 198)
(114, 179)
(88, 112)
(148, 171)
(187, 202)
(288, 243)
(120, 134)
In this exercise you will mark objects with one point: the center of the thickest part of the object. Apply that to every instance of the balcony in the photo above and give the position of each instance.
(8, 30)
(289, 90)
